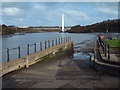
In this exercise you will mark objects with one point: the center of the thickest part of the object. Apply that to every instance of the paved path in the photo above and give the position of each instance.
(113, 58)
(59, 73)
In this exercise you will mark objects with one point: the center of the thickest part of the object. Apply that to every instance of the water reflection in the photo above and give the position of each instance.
(81, 56)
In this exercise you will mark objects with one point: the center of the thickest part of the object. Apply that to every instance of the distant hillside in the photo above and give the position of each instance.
(8, 29)
(13, 29)
(112, 25)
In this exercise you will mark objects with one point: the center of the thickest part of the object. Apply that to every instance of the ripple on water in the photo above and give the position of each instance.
(81, 56)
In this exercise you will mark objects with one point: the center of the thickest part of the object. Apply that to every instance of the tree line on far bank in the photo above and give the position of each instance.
(8, 30)
(109, 25)
(12, 29)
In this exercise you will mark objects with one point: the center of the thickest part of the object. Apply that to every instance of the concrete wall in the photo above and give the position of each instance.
(26, 61)
(98, 64)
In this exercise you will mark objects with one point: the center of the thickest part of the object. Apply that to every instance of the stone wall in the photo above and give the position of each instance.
(26, 61)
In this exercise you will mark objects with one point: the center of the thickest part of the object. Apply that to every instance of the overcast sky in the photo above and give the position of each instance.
(49, 13)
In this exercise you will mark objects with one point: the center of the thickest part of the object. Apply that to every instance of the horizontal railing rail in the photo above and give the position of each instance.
(105, 47)
(34, 46)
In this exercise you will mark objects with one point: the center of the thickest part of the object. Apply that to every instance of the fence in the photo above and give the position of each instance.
(105, 48)
(35, 46)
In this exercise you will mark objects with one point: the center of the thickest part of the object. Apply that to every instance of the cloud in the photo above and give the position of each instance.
(50, 13)
(77, 14)
(60, 0)
(0, 11)
(108, 11)
(39, 7)
(19, 19)
(12, 11)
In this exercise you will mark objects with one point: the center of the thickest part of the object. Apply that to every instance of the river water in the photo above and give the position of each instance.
(15, 40)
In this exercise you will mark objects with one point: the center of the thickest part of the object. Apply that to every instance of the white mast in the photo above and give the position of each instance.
(62, 22)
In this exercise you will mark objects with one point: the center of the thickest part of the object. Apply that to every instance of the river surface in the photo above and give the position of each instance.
(15, 40)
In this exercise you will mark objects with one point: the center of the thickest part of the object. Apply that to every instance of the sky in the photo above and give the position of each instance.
(49, 13)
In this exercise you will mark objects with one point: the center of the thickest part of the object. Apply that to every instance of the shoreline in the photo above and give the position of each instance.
(20, 33)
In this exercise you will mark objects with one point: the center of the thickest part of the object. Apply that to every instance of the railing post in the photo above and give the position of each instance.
(90, 57)
(105, 50)
(64, 39)
(61, 40)
(48, 43)
(27, 62)
(52, 42)
(34, 47)
(108, 52)
(70, 38)
(56, 41)
(45, 44)
(40, 45)
(19, 51)
(8, 58)
(27, 49)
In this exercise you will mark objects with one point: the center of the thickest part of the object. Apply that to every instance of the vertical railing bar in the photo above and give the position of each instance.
(19, 51)
(56, 41)
(40, 45)
(52, 42)
(59, 40)
(108, 52)
(64, 39)
(105, 51)
(34, 47)
(27, 49)
(8, 58)
(45, 44)
(48, 43)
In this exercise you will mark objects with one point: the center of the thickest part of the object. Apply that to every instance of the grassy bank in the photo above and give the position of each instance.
(113, 42)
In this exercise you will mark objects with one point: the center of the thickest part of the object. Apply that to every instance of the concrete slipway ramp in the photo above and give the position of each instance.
(56, 72)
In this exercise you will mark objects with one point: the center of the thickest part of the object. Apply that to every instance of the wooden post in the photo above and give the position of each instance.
(45, 45)
(8, 58)
(19, 51)
(52, 42)
(27, 49)
(40, 45)
(34, 47)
